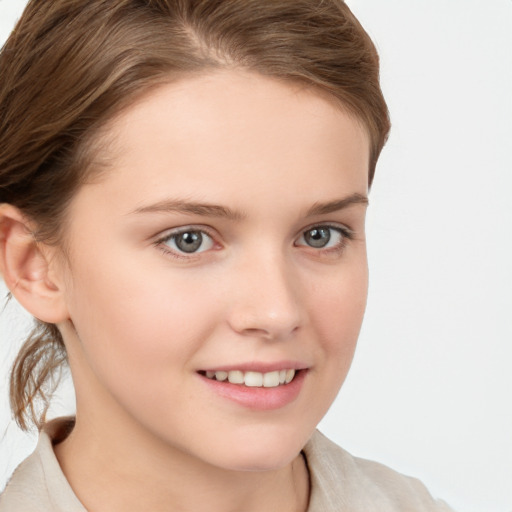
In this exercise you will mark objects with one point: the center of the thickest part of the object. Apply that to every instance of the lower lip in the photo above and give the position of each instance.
(260, 398)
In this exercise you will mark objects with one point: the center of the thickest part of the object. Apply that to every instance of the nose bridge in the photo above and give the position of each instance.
(267, 303)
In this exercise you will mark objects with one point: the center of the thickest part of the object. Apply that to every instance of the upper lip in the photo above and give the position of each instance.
(260, 367)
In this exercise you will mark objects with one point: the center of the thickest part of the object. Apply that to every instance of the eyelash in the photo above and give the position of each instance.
(345, 233)
(172, 235)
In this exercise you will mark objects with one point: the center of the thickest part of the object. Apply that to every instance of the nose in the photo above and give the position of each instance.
(267, 300)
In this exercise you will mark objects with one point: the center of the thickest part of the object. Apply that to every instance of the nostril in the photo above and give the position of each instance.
(270, 333)
(255, 332)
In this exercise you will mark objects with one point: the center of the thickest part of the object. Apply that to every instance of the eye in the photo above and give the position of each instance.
(188, 241)
(324, 237)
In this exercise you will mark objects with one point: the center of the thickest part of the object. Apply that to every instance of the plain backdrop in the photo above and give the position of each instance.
(430, 389)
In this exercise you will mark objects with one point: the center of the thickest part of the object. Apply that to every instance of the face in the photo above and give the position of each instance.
(222, 254)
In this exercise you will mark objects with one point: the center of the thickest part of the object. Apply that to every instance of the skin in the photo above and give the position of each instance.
(141, 320)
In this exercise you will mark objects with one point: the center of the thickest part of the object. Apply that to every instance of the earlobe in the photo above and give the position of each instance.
(25, 267)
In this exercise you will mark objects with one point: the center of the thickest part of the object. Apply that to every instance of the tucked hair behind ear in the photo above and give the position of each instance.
(36, 374)
(71, 65)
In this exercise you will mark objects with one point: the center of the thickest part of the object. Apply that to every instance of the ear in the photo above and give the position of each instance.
(26, 268)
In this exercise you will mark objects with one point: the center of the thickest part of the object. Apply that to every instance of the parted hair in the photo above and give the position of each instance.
(70, 66)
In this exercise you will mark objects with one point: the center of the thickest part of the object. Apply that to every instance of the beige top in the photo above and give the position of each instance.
(339, 482)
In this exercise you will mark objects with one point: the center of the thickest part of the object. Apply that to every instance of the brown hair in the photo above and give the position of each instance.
(71, 65)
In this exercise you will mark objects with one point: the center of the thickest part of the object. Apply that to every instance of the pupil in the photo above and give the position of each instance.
(318, 237)
(190, 241)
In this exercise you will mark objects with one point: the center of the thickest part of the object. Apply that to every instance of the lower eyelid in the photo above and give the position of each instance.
(163, 242)
(343, 231)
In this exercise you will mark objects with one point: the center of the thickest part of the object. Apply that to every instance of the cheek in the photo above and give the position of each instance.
(339, 304)
(337, 307)
(134, 327)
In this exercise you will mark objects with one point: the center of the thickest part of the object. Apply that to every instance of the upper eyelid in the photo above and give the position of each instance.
(345, 233)
(212, 233)
(159, 241)
(343, 228)
(170, 232)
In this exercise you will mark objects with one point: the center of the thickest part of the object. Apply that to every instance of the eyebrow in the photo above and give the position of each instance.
(193, 208)
(213, 210)
(337, 204)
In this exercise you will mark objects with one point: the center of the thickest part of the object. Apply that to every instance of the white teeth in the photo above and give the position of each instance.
(254, 379)
(271, 379)
(220, 375)
(236, 377)
(289, 376)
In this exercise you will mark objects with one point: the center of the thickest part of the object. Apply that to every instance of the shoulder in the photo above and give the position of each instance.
(340, 481)
(38, 484)
(25, 491)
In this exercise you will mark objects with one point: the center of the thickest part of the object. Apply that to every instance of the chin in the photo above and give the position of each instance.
(255, 461)
(261, 448)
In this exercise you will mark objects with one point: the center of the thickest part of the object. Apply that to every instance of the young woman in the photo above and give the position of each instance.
(183, 187)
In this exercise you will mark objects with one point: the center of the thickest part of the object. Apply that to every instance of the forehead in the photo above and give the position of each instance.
(239, 129)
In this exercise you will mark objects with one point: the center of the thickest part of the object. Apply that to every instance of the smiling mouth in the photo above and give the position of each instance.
(252, 379)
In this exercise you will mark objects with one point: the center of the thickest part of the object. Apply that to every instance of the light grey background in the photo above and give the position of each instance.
(430, 389)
